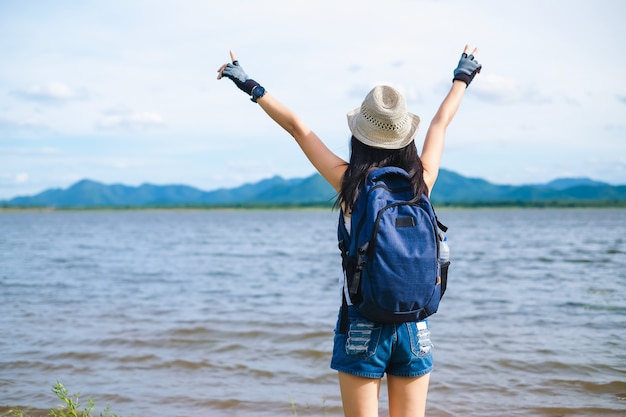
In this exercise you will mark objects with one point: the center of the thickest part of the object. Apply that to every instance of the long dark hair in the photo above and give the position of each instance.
(364, 158)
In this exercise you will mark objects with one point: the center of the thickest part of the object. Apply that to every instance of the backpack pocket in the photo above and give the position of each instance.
(399, 276)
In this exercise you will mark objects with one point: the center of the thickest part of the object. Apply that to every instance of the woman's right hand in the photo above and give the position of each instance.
(468, 67)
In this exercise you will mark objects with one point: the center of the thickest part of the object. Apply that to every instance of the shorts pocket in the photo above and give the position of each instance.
(362, 338)
(420, 338)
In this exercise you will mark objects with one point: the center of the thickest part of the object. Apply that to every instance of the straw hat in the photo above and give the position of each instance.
(382, 121)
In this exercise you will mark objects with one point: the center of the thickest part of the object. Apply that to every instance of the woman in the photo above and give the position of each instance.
(382, 135)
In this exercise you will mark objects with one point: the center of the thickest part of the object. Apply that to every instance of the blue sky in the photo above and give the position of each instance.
(126, 91)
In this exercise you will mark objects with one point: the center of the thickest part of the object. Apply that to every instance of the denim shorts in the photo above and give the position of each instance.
(370, 349)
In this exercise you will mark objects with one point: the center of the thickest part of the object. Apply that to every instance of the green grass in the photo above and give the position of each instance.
(72, 406)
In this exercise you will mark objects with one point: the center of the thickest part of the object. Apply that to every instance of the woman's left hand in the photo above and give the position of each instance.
(235, 72)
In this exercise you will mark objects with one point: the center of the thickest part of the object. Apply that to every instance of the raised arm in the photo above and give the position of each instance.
(435, 136)
(329, 165)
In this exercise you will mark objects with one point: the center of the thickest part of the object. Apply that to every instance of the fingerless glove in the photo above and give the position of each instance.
(236, 73)
(467, 69)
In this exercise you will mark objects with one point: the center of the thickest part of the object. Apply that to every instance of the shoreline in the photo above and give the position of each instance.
(548, 204)
(26, 411)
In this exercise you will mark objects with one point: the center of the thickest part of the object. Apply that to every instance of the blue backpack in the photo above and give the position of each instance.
(391, 255)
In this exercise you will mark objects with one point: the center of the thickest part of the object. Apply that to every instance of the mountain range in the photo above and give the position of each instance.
(451, 188)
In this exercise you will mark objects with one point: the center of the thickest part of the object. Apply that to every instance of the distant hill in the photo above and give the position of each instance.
(454, 188)
(451, 188)
(564, 183)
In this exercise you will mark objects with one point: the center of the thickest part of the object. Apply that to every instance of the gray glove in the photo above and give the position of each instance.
(236, 73)
(467, 69)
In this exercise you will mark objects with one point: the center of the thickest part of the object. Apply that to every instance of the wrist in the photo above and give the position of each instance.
(460, 83)
(463, 78)
(248, 86)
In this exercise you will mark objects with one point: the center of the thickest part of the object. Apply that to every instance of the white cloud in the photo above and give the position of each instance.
(131, 120)
(21, 178)
(52, 92)
(502, 90)
(27, 151)
(14, 125)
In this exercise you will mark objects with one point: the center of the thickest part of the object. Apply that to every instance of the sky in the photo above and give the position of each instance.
(125, 91)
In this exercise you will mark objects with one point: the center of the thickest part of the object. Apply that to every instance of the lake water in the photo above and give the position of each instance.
(231, 313)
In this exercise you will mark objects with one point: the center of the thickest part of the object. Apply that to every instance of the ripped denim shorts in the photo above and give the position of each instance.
(370, 349)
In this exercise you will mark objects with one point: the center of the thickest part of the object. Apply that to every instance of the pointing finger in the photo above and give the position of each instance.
(232, 56)
(219, 71)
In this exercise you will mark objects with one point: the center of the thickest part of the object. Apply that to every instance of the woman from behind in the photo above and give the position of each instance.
(383, 133)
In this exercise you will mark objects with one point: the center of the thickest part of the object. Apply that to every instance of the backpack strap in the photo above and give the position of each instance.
(343, 318)
(361, 260)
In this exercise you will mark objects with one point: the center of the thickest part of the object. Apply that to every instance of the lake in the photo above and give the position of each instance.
(231, 313)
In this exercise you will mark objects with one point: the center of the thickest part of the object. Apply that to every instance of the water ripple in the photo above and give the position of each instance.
(228, 313)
